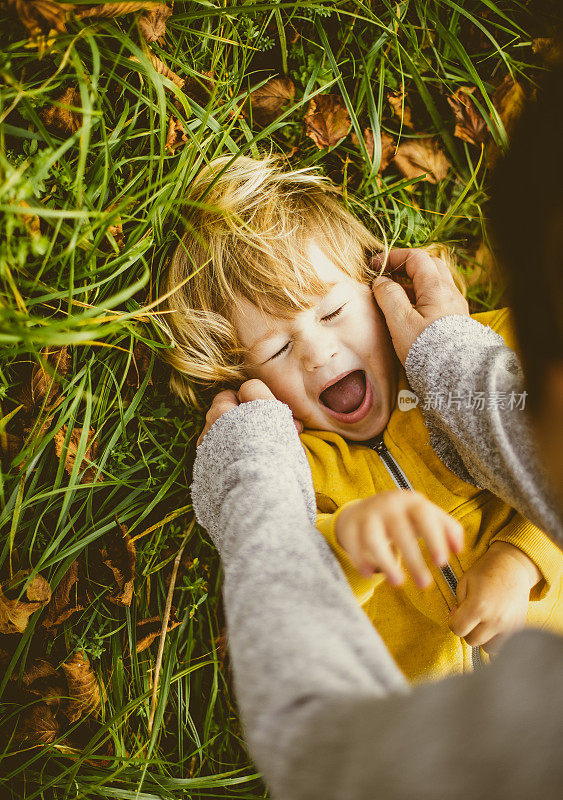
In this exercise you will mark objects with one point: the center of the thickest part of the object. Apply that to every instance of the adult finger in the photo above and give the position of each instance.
(403, 322)
(254, 389)
(222, 402)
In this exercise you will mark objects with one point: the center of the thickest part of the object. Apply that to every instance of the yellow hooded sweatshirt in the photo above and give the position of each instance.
(413, 622)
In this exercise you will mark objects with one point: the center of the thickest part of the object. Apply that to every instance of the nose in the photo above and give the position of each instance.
(316, 350)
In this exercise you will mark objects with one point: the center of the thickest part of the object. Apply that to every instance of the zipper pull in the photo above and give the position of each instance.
(378, 444)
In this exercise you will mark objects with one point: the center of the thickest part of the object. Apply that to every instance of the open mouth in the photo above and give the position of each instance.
(348, 399)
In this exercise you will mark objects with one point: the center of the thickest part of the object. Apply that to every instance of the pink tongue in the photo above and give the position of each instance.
(346, 395)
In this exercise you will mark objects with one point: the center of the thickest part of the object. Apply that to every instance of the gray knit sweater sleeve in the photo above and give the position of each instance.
(456, 359)
(326, 712)
(294, 628)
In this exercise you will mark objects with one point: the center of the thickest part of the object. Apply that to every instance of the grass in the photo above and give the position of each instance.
(89, 218)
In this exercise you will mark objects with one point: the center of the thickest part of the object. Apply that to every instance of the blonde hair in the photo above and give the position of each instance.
(249, 224)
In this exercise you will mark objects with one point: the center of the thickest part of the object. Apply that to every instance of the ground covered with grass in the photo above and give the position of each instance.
(107, 112)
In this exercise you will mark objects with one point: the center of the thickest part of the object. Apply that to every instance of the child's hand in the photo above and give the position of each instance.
(493, 596)
(224, 401)
(373, 530)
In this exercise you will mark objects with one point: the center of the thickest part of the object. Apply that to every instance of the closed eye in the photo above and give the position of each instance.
(334, 313)
(284, 348)
(324, 319)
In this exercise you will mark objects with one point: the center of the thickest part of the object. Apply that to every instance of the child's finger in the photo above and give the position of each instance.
(481, 634)
(377, 553)
(455, 533)
(463, 619)
(430, 524)
(404, 537)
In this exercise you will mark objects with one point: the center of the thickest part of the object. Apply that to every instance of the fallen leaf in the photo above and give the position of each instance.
(38, 725)
(176, 135)
(420, 156)
(199, 88)
(149, 629)
(267, 101)
(549, 50)
(44, 387)
(469, 124)
(40, 16)
(119, 555)
(152, 24)
(387, 147)
(162, 69)
(114, 9)
(481, 266)
(31, 221)
(61, 606)
(15, 611)
(509, 100)
(140, 364)
(72, 450)
(327, 121)
(42, 679)
(401, 108)
(10, 445)
(38, 669)
(61, 116)
(83, 689)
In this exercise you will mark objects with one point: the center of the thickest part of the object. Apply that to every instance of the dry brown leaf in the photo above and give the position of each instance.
(139, 365)
(420, 156)
(199, 88)
(114, 9)
(268, 101)
(40, 16)
(83, 689)
(38, 725)
(469, 124)
(387, 146)
(481, 266)
(10, 445)
(31, 221)
(119, 555)
(44, 386)
(42, 679)
(62, 606)
(62, 117)
(70, 454)
(162, 69)
(14, 612)
(152, 24)
(549, 50)
(509, 100)
(327, 121)
(400, 106)
(149, 629)
(176, 135)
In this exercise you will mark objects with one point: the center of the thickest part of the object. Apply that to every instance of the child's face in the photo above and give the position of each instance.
(343, 336)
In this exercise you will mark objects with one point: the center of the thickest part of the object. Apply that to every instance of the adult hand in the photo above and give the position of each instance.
(435, 295)
(227, 399)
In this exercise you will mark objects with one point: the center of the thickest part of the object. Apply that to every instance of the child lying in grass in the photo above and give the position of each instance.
(280, 292)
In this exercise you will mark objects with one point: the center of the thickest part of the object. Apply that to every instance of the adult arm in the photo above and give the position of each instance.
(444, 350)
(326, 711)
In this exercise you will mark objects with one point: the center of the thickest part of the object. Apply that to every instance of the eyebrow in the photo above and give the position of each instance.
(273, 332)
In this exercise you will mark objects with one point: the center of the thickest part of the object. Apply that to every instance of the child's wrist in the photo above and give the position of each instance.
(526, 562)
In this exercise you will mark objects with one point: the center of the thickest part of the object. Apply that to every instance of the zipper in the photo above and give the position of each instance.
(402, 482)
